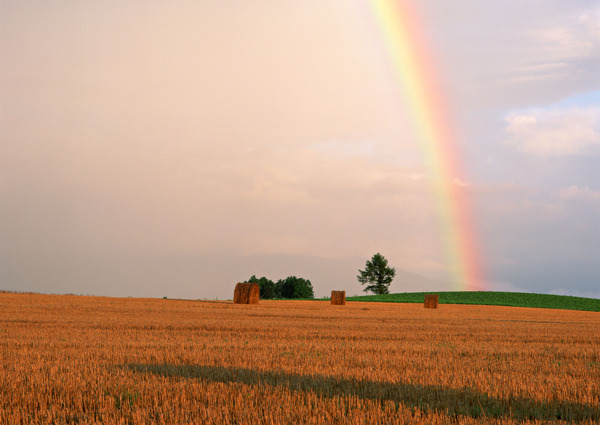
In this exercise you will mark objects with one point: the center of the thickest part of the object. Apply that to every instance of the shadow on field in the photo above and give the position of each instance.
(453, 402)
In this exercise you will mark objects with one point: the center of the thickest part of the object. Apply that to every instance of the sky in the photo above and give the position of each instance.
(153, 148)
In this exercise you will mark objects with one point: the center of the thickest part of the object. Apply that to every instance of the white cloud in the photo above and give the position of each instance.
(554, 132)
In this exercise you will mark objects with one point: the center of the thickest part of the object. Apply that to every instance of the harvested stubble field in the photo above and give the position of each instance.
(71, 359)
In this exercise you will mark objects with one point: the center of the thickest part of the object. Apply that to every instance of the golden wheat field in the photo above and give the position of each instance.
(86, 360)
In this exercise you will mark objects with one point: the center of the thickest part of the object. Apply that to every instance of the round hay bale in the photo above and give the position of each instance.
(431, 301)
(253, 293)
(338, 297)
(237, 293)
(246, 293)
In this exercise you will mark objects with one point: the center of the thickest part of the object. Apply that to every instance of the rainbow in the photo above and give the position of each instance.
(399, 24)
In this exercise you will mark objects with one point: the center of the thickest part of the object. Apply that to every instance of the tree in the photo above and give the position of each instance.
(294, 287)
(267, 287)
(377, 274)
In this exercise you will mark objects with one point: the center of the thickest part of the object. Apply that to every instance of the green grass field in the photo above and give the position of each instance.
(513, 299)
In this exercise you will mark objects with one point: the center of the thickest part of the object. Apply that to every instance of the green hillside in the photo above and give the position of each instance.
(514, 299)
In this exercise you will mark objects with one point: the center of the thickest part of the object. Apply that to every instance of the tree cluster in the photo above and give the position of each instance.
(290, 287)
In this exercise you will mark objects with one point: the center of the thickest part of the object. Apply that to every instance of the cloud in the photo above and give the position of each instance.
(579, 193)
(558, 50)
(335, 148)
(459, 182)
(214, 201)
(538, 52)
(554, 132)
(195, 129)
(573, 40)
(591, 22)
(575, 293)
(584, 197)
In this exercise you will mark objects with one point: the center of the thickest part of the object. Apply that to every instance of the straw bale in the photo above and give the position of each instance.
(338, 297)
(253, 293)
(431, 301)
(237, 293)
(246, 293)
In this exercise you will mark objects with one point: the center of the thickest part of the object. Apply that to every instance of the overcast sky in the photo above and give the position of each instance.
(154, 148)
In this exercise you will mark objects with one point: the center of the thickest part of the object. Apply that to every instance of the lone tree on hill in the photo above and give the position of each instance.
(377, 274)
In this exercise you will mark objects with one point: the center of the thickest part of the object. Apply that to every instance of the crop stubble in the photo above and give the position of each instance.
(71, 359)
